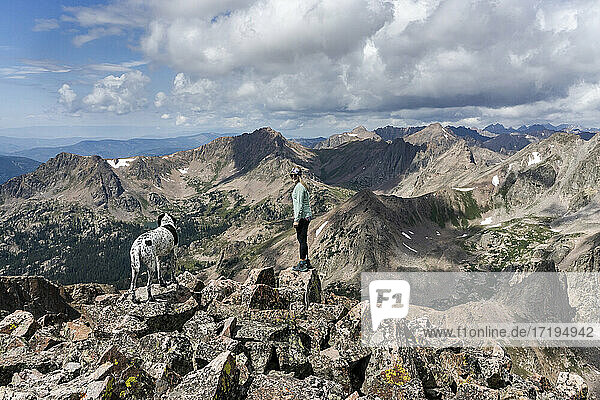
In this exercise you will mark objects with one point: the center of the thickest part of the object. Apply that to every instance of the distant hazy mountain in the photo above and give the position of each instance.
(358, 133)
(537, 130)
(507, 144)
(15, 166)
(392, 132)
(572, 127)
(109, 148)
(309, 142)
(11, 144)
(498, 129)
(468, 133)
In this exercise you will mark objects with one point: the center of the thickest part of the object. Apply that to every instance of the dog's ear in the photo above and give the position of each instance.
(160, 217)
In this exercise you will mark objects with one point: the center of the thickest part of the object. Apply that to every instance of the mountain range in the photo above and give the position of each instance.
(233, 197)
(112, 148)
(15, 166)
(432, 198)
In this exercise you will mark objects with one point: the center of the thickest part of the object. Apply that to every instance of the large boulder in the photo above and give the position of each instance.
(77, 330)
(303, 286)
(261, 276)
(476, 392)
(173, 293)
(261, 297)
(116, 314)
(217, 290)
(280, 386)
(34, 294)
(20, 323)
(571, 386)
(392, 373)
(190, 281)
(219, 380)
(86, 293)
(170, 351)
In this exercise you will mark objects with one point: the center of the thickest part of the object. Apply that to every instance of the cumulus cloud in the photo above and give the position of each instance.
(115, 94)
(331, 63)
(159, 99)
(180, 119)
(118, 94)
(67, 96)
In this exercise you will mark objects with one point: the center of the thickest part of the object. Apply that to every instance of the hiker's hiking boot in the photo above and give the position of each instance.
(300, 267)
(308, 264)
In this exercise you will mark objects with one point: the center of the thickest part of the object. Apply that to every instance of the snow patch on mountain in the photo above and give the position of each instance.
(486, 221)
(120, 162)
(320, 228)
(534, 158)
(495, 180)
(410, 248)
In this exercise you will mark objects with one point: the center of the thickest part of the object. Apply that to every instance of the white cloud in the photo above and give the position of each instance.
(42, 24)
(29, 68)
(116, 67)
(118, 94)
(326, 62)
(180, 119)
(115, 94)
(96, 33)
(557, 19)
(159, 99)
(67, 96)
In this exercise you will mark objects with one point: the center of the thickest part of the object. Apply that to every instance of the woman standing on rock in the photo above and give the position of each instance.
(302, 216)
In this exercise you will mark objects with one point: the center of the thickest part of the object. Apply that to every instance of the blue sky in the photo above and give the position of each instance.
(37, 58)
(304, 67)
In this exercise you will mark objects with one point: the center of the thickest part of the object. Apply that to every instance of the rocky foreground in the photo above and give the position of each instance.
(272, 337)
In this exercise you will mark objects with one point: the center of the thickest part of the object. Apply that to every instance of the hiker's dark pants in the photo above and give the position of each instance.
(301, 234)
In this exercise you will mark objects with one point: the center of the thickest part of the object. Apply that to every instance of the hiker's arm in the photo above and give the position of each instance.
(297, 197)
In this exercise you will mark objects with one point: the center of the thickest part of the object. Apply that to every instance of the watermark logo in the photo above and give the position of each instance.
(474, 309)
(389, 299)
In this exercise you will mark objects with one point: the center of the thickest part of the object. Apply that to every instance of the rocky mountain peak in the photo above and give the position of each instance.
(267, 130)
(358, 133)
(362, 132)
(364, 205)
(434, 133)
(359, 128)
(78, 175)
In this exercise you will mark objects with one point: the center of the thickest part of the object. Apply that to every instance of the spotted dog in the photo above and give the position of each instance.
(150, 248)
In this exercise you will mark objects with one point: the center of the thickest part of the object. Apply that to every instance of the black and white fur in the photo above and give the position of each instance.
(152, 247)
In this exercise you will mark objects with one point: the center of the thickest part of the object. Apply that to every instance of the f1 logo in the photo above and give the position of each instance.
(389, 299)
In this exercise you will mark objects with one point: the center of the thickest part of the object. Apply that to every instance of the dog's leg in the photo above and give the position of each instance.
(151, 269)
(134, 276)
(174, 268)
(135, 270)
(161, 281)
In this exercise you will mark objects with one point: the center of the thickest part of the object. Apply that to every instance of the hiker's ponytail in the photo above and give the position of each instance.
(303, 183)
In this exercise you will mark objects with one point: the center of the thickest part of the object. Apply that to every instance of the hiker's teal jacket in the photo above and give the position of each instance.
(300, 198)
